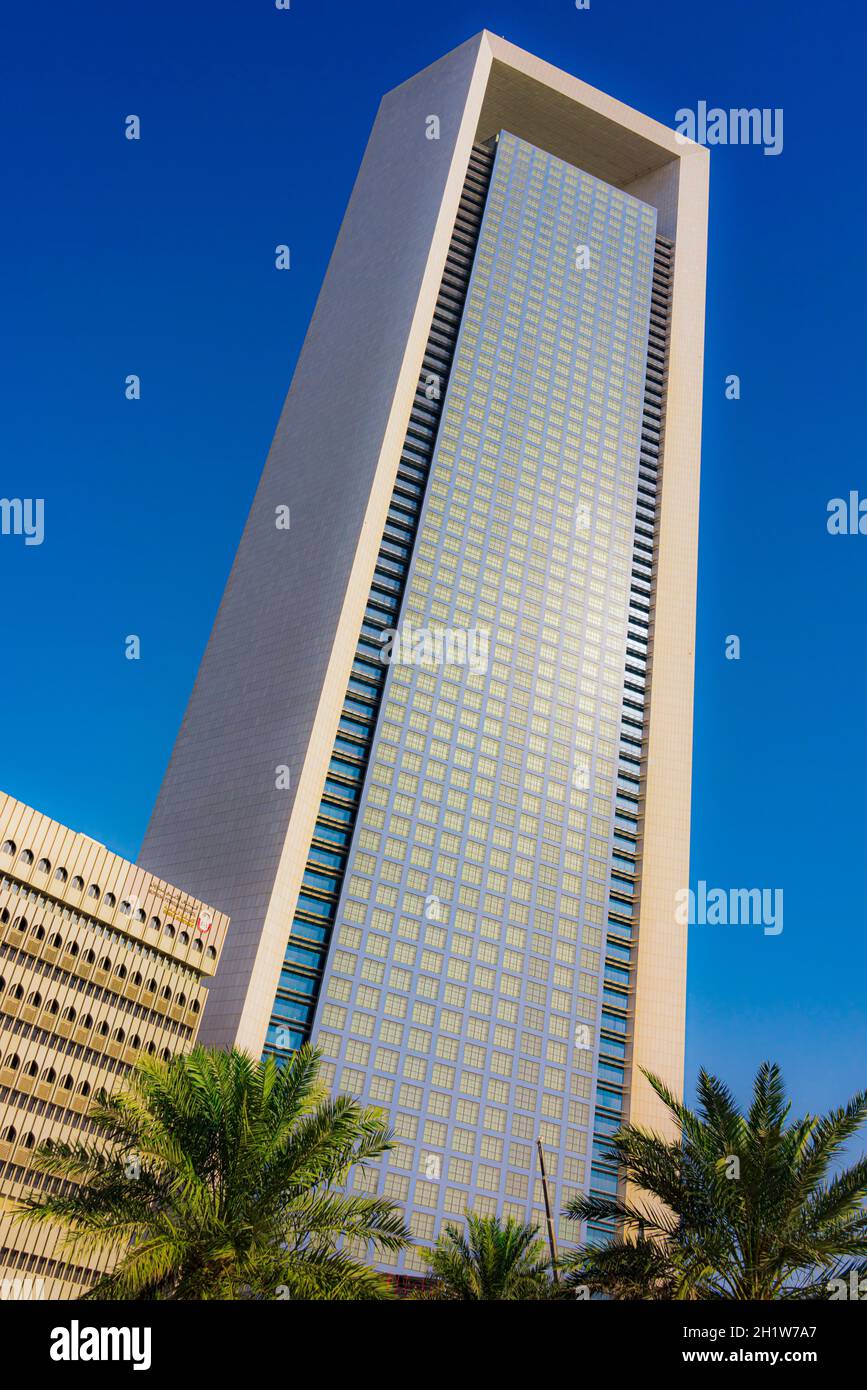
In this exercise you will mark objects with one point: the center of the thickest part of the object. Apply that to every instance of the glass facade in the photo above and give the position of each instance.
(465, 935)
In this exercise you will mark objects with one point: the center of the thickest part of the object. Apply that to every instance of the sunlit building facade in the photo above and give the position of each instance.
(101, 965)
(451, 860)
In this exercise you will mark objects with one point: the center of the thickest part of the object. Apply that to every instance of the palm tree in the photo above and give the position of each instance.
(492, 1259)
(214, 1176)
(743, 1207)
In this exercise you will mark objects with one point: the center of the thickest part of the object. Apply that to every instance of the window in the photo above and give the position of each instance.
(26, 856)
(43, 866)
(8, 847)
(60, 875)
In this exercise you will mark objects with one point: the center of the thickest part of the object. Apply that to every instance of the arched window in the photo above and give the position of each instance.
(53, 1007)
(68, 1015)
(29, 1140)
(84, 1088)
(151, 986)
(109, 900)
(4, 915)
(44, 866)
(17, 991)
(103, 1029)
(13, 1061)
(2, 984)
(56, 941)
(197, 945)
(118, 1035)
(155, 923)
(211, 953)
(8, 1135)
(105, 963)
(32, 1069)
(135, 1042)
(38, 932)
(89, 957)
(20, 924)
(167, 994)
(169, 929)
(87, 1021)
(34, 999)
(93, 890)
(78, 883)
(166, 1055)
(184, 938)
(67, 1082)
(26, 856)
(195, 1006)
(137, 979)
(8, 847)
(140, 914)
(60, 875)
(182, 999)
(151, 1049)
(126, 908)
(120, 970)
(49, 1076)
(72, 948)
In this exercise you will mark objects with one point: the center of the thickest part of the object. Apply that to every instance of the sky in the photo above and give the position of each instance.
(156, 258)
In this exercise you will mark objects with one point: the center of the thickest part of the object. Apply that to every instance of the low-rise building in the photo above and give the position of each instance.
(101, 964)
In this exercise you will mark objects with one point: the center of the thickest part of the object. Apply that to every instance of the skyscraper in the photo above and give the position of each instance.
(436, 764)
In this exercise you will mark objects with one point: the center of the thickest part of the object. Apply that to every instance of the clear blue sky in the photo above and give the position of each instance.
(156, 258)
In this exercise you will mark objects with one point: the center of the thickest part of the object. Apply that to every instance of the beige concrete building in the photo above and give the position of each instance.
(101, 963)
(462, 882)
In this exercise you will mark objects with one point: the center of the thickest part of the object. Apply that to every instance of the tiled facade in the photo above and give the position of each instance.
(474, 904)
(487, 939)
(101, 964)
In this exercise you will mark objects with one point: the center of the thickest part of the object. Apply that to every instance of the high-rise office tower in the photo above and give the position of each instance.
(456, 868)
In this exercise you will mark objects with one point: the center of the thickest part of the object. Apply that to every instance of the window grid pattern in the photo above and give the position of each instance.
(313, 921)
(464, 990)
(622, 928)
